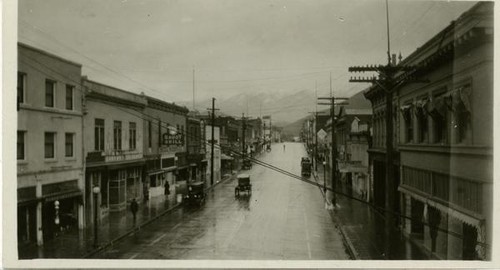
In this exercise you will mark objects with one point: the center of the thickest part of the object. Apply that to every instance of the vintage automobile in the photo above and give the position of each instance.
(195, 194)
(243, 185)
(306, 165)
(268, 148)
(247, 164)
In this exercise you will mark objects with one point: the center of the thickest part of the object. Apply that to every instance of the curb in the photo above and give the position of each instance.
(347, 241)
(129, 232)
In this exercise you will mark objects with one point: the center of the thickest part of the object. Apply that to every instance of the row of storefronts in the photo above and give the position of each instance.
(443, 142)
(84, 146)
(86, 149)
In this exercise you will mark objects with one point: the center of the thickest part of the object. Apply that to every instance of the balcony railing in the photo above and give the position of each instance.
(459, 191)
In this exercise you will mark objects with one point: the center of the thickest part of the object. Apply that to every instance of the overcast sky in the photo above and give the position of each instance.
(234, 45)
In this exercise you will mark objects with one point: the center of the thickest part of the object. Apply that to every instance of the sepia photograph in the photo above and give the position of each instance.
(263, 133)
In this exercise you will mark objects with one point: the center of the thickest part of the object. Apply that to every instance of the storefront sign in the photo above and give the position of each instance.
(173, 139)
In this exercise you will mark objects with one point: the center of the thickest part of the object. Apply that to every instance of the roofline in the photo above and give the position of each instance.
(84, 78)
(29, 47)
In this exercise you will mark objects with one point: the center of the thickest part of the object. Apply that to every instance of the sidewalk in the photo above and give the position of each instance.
(78, 243)
(363, 229)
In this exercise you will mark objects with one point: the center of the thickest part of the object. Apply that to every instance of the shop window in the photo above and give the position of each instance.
(99, 134)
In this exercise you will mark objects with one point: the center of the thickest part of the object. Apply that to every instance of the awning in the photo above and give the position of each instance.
(153, 172)
(62, 195)
(226, 157)
(471, 220)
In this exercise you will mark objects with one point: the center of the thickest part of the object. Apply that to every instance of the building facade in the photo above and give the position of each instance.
(49, 145)
(353, 141)
(113, 149)
(165, 147)
(444, 135)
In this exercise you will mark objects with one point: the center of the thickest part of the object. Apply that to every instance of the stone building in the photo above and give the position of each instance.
(49, 145)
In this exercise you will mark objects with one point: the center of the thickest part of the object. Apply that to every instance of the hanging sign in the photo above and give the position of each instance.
(173, 139)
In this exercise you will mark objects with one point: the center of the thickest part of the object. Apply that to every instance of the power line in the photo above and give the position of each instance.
(264, 164)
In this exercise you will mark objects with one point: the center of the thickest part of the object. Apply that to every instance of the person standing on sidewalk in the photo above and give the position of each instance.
(167, 188)
(134, 207)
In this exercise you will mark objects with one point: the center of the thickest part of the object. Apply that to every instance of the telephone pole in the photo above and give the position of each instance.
(390, 77)
(244, 126)
(212, 143)
(334, 167)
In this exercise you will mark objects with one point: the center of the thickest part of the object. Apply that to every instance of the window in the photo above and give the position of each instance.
(69, 97)
(408, 121)
(423, 126)
(132, 136)
(117, 135)
(461, 107)
(150, 135)
(440, 117)
(159, 133)
(49, 93)
(21, 145)
(68, 144)
(50, 138)
(99, 135)
(21, 87)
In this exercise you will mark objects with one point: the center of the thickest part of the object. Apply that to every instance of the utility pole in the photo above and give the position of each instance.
(212, 143)
(193, 89)
(333, 167)
(244, 126)
(390, 77)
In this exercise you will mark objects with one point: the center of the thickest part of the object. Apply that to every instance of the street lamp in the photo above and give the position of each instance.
(324, 177)
(96, 191)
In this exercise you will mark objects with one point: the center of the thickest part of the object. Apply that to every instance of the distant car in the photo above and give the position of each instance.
(247, 164)
(195, 194)
(243, 185)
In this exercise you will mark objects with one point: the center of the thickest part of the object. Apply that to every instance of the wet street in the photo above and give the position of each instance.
(284, 218)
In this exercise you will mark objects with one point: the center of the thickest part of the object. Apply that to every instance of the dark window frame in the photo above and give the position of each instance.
(70, 99)
(51, 143)
(132, 136)
(21, 145)
(99, 127)
(117, 135)
(70, 143)
(52, 103)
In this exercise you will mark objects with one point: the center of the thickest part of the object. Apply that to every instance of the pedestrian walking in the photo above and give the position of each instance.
(134, 207)
(167, 188)
(283, 148)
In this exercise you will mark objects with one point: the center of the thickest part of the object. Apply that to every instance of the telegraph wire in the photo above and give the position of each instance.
(141, 115)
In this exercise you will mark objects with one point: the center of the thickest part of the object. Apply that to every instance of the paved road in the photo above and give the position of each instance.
(283, 219)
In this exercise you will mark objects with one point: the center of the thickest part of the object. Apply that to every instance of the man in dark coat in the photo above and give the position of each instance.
(167, 188)
(134, 207)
